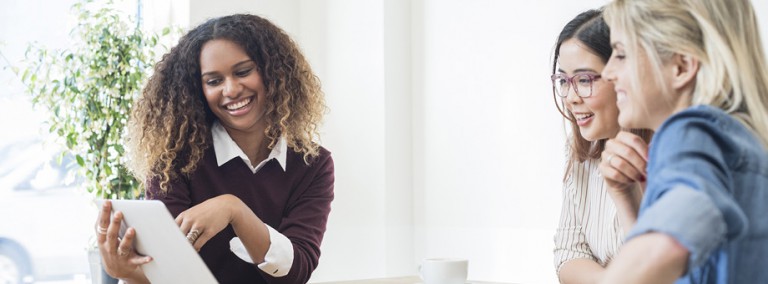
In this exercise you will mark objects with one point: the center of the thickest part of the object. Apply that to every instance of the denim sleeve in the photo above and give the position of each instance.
(699, 228)
(689, 191)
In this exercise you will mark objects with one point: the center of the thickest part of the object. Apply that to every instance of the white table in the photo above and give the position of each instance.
(397, 280)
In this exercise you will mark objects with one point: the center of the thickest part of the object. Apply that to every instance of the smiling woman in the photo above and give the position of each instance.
(594, 214)
(236, 95)
(225, 135)
(696, 72)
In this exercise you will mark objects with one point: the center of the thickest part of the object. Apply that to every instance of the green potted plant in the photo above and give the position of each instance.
(89, 89)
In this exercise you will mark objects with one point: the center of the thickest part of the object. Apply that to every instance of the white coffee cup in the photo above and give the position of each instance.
(444, 271)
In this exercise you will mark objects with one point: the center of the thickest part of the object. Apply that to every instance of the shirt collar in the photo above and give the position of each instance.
(226, 149)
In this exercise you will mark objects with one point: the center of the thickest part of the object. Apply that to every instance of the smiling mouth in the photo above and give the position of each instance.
(582, 117)
(240, 104)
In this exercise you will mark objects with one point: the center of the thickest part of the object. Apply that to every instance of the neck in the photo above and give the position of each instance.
(254, 144)
(683, 101)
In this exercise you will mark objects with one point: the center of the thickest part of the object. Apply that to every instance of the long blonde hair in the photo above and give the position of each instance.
(722, 34)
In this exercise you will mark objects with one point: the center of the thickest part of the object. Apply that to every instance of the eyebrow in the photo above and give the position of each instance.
(233, 67)
(616, 44)
(580, 70)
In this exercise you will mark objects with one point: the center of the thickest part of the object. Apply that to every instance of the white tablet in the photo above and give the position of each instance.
(158, 236)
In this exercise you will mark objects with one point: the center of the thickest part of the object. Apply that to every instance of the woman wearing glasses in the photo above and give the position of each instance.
(594, 214)
(695, 71)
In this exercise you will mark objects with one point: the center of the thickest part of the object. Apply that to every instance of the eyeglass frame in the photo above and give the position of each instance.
(572, 83)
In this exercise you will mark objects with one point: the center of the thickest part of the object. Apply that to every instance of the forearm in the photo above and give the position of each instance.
(650, 258)
(252, 232)
(581, 271)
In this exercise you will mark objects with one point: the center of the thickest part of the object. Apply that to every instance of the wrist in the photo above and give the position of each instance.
(631, 194)
(135, 281)
(235, 206)
(137, 277)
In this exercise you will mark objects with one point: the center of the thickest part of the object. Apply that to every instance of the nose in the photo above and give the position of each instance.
(232, 88)
(572, 97)
(608, 73)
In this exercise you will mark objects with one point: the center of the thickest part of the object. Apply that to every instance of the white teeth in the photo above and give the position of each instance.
(583, 116)
(238, 105)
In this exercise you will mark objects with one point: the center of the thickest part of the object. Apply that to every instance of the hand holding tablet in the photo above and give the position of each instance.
(156, 234)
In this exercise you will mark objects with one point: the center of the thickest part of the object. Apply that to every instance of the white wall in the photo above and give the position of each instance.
(352, 52)
(492, 139)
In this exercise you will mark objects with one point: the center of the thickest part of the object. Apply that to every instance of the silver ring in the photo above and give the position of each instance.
(100, 230)
(610, 156)
(193, 235)
(121, 252)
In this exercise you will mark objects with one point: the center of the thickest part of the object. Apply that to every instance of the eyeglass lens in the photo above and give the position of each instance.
(582, 82)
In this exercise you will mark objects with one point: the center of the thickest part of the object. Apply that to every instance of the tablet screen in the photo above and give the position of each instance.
(158, 236)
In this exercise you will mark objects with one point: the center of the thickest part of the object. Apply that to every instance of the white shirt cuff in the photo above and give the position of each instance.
(279, 257)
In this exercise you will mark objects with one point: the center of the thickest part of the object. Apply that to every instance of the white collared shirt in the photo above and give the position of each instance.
(279, 257)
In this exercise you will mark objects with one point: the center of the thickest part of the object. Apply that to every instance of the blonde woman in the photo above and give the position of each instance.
(225, 135)
(593, 215)
(694, 71)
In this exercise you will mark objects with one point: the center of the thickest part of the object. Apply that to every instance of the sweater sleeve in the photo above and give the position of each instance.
(570, 239)
(305, 219)
(177, 198)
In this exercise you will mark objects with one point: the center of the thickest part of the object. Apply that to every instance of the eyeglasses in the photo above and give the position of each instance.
(582, 83)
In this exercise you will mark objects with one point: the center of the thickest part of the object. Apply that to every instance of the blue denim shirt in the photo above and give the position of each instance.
(708, 189)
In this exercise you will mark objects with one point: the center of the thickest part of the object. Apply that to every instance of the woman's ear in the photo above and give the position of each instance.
(685, 69)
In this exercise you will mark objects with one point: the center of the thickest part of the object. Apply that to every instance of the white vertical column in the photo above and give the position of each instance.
(418, 128)
(351, 68)
(398, 134)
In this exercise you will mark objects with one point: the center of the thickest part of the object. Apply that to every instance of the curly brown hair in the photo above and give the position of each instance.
(170, 122)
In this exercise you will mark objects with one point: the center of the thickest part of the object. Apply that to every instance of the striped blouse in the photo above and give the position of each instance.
(589, 227)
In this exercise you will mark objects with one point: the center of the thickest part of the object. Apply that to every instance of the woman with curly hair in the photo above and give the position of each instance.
(225, 135)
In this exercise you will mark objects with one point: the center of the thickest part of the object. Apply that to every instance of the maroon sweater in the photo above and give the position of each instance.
(295, 202)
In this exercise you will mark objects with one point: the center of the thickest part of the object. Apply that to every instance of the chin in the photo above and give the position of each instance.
(587, 136)
(626, 121)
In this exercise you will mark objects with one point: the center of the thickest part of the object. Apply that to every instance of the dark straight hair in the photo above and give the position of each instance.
(590, 29)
